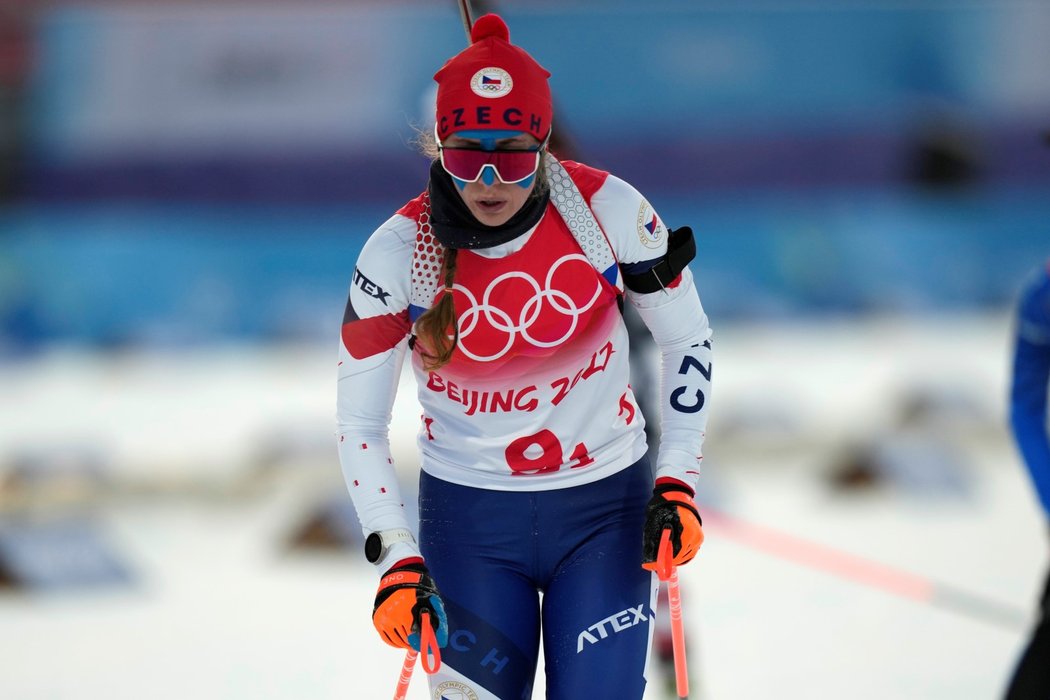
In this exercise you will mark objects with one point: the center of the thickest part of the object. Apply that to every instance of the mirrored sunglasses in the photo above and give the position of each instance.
(467, 164)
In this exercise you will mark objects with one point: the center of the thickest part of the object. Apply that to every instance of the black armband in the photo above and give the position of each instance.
(681, 248)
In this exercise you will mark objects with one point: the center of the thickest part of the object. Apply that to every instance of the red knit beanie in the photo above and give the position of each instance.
(493, 84)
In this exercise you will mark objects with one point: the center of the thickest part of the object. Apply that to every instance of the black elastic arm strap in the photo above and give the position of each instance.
(681, 249)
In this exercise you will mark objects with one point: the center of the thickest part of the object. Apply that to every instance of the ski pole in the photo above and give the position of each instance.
(668, 572)
(406, 674)
(467, 16)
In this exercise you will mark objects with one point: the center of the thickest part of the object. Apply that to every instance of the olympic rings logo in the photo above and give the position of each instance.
(501, 321)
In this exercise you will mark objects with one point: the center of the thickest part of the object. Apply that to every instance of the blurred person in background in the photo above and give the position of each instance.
(505, 280)
(1028, 417)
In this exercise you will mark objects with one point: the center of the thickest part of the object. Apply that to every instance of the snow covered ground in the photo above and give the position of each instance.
(918, 586)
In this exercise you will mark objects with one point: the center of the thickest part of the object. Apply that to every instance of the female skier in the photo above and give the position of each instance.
(504, 280)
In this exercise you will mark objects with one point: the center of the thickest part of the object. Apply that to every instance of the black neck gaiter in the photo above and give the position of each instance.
(456, 227)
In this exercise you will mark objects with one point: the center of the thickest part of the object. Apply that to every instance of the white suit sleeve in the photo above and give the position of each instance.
(680, 328)
(677, 321)
(371, 353)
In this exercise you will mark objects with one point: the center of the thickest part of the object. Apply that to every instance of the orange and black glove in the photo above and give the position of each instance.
(671, 508)
(405, 592)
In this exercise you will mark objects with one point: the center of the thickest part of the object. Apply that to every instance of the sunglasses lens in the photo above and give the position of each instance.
(511, 166)
(514, 166)
(463, 163)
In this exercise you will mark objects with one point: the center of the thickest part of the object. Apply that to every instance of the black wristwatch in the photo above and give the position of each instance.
(378, 544)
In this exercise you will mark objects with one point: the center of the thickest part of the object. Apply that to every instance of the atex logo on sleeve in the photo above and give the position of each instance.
(613, 624)
(369, 287)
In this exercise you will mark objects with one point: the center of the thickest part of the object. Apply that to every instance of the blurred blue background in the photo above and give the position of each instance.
(193, 173)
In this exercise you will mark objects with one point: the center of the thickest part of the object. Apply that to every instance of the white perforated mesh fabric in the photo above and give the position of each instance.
(427, 258)
(578, 216)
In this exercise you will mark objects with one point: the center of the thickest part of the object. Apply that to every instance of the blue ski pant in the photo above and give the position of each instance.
(561, 567)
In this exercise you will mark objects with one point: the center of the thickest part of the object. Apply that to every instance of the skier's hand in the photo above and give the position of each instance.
(671, 508)
(406, 591)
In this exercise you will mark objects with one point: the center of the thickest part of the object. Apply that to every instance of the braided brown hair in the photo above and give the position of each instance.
(433, 327)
